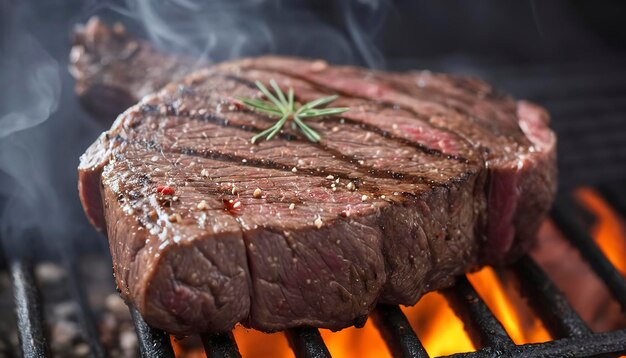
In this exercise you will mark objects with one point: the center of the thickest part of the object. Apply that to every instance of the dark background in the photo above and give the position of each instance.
(567, 55)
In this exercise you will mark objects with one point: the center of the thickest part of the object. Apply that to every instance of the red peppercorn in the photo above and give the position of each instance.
(233, 206)
(165, 190)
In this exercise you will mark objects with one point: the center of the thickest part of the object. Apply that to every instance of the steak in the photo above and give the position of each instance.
(426, 177)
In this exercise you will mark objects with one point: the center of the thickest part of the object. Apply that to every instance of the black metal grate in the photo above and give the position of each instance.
(572, 337)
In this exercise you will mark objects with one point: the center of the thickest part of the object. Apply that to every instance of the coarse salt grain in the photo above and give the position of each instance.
(319, 65)
(174, 218)
(202, 205)
(318, 222)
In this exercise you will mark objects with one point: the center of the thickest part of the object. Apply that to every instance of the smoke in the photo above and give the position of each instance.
(30, 84)
(360, 16)
(30, 87)
(338, 31)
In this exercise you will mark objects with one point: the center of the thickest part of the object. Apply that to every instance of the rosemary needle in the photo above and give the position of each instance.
(284, 108)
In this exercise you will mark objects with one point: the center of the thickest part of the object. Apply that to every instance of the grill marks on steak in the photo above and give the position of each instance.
(494, 133)
(416, 145)
(345, 150)
(297, 272)
(516, 159)
(416, 128)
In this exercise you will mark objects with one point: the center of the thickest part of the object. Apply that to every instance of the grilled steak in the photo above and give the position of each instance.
(113, 70)
(426, 177)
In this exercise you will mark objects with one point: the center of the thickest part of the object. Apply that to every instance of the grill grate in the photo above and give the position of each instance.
(573, 337)
(548, 302)
(28, 309)
(397, 332)
(566, 221)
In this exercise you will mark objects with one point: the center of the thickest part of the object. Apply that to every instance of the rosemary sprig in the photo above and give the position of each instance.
(285, 108)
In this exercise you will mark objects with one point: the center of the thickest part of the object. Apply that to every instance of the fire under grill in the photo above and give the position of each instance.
(572, 337)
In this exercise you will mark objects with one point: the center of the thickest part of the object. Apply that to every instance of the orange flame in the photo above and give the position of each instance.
(356, 342)
(439, 329)
(253, 343)
(608, 231)
(509, 307)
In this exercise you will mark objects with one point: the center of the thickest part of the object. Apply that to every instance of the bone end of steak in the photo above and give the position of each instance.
(113, 70)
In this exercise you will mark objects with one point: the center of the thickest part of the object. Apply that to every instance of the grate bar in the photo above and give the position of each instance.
(548, 301)
(397, 332)
(153, 343)
(600, 344)
(307, 342)
(28, 310)
(614, 194)
(220, 346)
(484, 328)
(568, 224)
(85, 316)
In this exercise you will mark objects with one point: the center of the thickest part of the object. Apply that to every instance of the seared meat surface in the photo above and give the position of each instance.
(426, 177)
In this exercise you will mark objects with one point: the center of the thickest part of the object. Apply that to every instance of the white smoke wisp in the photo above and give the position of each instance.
(30, 90)
(220, 30)
(363, 19)
(31, 207)
(30, 85)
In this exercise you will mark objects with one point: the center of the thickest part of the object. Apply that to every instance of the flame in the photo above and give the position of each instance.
(511, 309)
(608, 231)
(356, 342)
(253, 343)
(438, 328)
